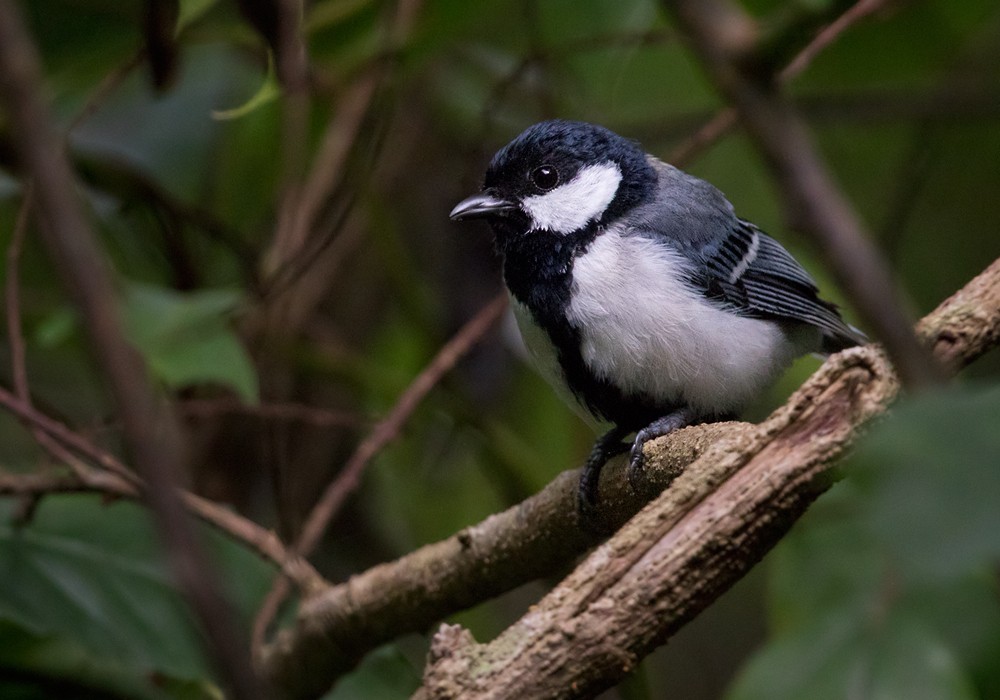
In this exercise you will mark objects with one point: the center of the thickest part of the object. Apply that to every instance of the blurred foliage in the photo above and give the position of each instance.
(85, 601)
(186, 338)
(888, 587)
(890, 583)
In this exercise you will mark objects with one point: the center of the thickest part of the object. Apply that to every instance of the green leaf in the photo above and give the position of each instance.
(186, 337)
(115, 606)
(384, 674)
(910, 661)
(56, 328)
(966, 614)
(840, 657)
(268, 91)
(41, 667)
(191, 10)
(92, 577)
(930, 484)
(844, 568)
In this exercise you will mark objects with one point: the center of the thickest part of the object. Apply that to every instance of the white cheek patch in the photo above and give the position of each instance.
(574, 204)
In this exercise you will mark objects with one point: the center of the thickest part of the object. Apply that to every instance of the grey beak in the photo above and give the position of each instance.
(480, 205)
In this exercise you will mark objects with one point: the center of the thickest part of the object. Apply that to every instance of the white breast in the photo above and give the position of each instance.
(644, 330)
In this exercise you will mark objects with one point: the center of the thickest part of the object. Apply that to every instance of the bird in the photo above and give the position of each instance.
(641, 296)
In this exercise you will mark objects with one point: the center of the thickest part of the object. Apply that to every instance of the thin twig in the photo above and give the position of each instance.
(47, 433)
(150, 432)
(12, 302)
(19, 370)
(37, 484)
(73, 440)
(291, 251)
(385, 431)
(65, 444)
(293, 68)
(726, 118)
(265, 542)
(389, 427)
(707, 134)
(111, 82)
(286, 411)
(829, 34)
(15, 338)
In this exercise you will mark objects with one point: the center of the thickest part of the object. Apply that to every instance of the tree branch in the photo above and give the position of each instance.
(675, 557)
(701, 535)
(535, 538)
(247, 533)
(70, 447)
(12, 300)
(15, 337)
(540, 536)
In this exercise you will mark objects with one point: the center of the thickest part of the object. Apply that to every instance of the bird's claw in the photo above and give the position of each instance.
(587, 496)
(636, 474)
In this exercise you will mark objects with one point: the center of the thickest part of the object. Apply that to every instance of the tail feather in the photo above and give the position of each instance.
(849, 337)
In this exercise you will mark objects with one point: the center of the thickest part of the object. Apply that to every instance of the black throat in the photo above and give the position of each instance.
(538, 268)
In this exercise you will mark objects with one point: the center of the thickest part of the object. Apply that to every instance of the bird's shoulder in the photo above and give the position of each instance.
(695, 219)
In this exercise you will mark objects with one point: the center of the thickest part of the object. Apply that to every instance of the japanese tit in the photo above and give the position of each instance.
(640, 294)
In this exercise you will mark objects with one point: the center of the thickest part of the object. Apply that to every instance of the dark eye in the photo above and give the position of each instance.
(545, 177)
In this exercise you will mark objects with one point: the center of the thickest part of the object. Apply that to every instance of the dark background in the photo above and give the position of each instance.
(282, 352)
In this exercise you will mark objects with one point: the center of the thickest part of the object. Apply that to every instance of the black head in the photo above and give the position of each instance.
(562, 177)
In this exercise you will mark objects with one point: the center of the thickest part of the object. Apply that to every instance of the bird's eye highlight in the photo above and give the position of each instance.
(545, 177)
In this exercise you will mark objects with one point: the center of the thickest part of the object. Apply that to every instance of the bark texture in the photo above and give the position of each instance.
(734, 489)
(716, 520)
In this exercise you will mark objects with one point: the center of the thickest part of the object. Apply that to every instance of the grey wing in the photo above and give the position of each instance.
(753, 274)
(745, 269)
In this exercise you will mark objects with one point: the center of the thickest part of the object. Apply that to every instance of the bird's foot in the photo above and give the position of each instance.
(658, 428)
(606, 447)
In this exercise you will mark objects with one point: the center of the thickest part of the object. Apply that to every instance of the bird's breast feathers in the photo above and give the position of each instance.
(646, 331)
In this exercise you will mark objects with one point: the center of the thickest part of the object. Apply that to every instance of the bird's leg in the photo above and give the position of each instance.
(658, 428)
(606, 447)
